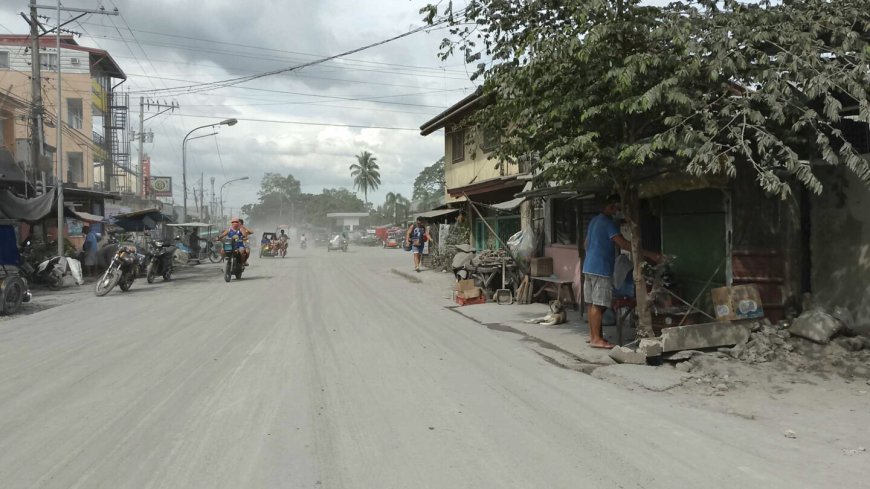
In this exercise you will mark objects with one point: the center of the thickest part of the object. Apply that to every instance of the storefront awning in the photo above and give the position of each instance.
(509, 205)
(83, 216)
(437, 213)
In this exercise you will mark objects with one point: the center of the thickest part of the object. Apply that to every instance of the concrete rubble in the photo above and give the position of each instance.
(816, 325)
(708, 335)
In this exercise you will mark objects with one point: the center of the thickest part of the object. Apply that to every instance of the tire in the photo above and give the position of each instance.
(126, 283)
(13, 291)
(54, 281)
(150, 273)
(228, 271)
(213, 256)
(168, 275)
(107, 281)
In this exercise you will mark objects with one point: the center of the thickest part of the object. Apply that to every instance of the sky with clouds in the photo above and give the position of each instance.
(162, 44)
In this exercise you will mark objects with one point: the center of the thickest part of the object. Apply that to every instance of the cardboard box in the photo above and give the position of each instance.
(466, 289)
(737, 302)
(541, 266)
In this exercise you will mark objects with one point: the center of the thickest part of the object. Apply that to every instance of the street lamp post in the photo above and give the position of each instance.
(222, 194)
(228, 122)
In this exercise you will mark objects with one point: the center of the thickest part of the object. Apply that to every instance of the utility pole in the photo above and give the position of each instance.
(59, 129)
(201, 196)
(162, 108)
(213, 209)
(36, 137)
(141, 172)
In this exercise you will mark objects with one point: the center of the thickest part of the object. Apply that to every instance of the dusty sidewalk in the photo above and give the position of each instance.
(827, 405)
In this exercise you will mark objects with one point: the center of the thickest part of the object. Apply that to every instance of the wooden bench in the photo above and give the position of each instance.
(564, 289)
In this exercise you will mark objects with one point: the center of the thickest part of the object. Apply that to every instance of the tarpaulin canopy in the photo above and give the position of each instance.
(437, 213)
(191, 225)
(141, 220)
(21, 209)
(83, 216)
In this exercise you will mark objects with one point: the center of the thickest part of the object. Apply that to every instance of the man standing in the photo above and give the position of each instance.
(90, 249)
(601, 237)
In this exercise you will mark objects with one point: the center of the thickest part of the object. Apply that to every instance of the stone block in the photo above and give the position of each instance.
(707, 335)
(622, 354)
(650, 347)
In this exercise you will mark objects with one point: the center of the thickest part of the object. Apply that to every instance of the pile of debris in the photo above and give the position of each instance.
(816, 341)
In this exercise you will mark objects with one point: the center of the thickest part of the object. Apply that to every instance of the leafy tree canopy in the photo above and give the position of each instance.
(612, 89)
(429, 184)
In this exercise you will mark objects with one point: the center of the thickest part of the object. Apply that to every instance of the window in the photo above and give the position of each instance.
(4, 59)
(75, 167)
(457, 141)
(490, 139)
(74, 112)
(564, 222)
(48, 61)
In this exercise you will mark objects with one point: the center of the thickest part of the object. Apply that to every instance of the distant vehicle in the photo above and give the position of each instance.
(270, 245)
(338, 242)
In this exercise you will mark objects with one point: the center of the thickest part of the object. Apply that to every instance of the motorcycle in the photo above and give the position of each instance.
(338, 242)
(122, 270)
(160, 258)
(233, 256)
(303, 244)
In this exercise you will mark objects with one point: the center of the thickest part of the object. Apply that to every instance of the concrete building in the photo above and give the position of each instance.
(471, 170)
(93, 116)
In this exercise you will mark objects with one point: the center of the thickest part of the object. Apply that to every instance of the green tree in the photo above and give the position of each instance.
(397, 207)
(614, 91)
(429, 185)
(365, 174)
(277, 198)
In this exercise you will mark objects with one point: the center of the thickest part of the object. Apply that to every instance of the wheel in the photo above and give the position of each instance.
(13, 290)
(168, 275)
(214, 257)
(228, 272)
(55, 280)
(107, 282)
(150, 273)
(126, 282)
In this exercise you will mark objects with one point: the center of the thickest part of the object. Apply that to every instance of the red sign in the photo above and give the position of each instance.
(146, 175)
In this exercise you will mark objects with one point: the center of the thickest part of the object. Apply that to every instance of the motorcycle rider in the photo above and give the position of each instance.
(303, 240)
(282, 238)
(236, 230)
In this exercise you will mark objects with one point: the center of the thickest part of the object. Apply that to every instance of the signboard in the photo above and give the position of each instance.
(161, 186)
(146, 175)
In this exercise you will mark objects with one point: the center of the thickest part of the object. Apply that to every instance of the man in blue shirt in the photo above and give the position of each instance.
(601, 238)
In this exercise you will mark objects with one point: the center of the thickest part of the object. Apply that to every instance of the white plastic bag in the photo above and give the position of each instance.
(75, 268)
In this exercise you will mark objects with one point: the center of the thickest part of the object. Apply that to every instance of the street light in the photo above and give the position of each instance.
(222, 193)
(227, 122)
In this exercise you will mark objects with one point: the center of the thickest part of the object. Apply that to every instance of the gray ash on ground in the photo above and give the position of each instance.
(772, 348)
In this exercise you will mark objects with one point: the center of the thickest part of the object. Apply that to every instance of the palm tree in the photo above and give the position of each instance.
(403, 205)
(365, 173)
(390, 206)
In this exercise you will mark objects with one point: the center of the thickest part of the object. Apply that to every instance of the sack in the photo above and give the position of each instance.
(416, 242)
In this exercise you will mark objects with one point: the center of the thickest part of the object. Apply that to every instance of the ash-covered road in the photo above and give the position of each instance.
(329, 371)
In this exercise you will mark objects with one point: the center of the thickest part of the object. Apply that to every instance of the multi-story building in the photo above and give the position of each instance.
(93, 117)
(472, 172)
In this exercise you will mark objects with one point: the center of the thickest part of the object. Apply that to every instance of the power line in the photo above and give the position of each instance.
(302, 123)
(261, 48)
(195, 88)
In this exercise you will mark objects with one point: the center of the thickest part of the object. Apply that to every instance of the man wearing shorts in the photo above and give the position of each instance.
(601, 237)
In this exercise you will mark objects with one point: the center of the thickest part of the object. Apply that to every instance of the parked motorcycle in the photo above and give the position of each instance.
(233, 256)
(160, 258)
(122, 270)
